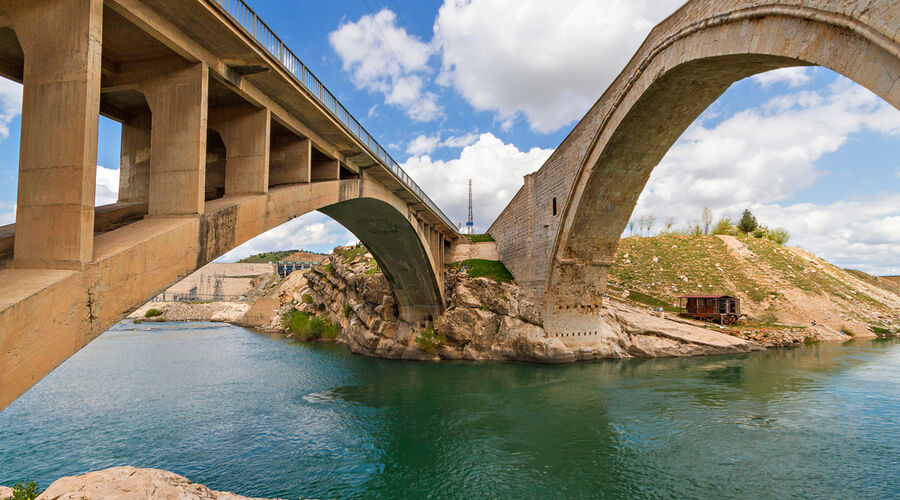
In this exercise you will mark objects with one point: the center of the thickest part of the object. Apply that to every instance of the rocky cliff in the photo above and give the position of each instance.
(485, 320)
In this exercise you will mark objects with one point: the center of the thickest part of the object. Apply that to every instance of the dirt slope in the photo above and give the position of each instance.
(776, 284)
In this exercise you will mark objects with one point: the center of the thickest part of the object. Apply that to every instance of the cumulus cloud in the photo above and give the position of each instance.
(107, 190)
(496, 170)
(423, 144)
(10, 104)
(793, 77)
(312, 231)
(547, 61)
(760, 157)
(382, 57)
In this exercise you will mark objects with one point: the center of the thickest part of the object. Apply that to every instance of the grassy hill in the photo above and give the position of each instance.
(287, 255)
(776, 284)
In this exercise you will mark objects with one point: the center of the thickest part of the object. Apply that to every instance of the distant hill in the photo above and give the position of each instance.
(285, 255)
(776, 284)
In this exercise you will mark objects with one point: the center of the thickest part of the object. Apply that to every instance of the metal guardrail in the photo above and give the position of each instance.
(255, 27)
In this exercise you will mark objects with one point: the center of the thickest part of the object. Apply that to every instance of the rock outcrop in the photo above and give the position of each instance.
(485, 320)
(129, 483)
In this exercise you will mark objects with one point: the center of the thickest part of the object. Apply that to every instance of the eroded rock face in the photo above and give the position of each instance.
(131, 483)
(486, 320)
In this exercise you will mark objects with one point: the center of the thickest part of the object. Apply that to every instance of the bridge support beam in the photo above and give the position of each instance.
(289, 160)
(134, 167)
(576, 300)
(245, 131)
(58, 149)
(178, 101)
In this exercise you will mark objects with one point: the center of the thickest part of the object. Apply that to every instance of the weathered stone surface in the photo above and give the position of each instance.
(130, 483)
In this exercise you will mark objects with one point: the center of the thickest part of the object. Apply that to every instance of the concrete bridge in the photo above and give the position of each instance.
(225, 134)
(559, 234)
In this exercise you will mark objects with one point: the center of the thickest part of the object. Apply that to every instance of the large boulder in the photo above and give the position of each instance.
(127, 483)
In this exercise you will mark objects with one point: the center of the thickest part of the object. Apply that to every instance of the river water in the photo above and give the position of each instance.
(264, 416)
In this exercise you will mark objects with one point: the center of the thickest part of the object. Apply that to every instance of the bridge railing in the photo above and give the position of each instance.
(250, 21)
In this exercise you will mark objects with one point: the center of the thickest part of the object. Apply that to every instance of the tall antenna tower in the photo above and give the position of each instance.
(470, 226)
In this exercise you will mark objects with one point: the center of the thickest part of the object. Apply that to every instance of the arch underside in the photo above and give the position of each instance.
(397, 248)
(665, 89)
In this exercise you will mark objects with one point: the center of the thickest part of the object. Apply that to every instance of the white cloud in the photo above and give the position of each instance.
(794, 77)
(312, 231)
(459, 141)
(496, 170)
(107, 190)
(548, 61)
(761, 157)
(10, 104)
(7, 213)
(423, 144)
(382, 57)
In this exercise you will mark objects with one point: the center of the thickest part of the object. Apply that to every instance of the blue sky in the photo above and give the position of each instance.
(487, 88)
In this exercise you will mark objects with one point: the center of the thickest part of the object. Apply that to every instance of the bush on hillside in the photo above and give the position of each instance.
(309, 327)
(27, 491)
(779, 235)
(724, 226)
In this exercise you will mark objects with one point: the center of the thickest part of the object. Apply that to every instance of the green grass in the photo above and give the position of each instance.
(649, 300)
(350, 254)
(847, 331)
(152, 313)
(879, 330)
(429, 341)
(480, 238)
(262, 258)
(306, 298)
(346, 310)
(309, 327)
(482, 268)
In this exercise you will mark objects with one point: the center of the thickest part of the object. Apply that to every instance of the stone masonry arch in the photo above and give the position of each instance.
(685, 63)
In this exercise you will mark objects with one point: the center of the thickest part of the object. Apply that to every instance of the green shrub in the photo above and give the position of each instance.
(779, 235)
(27, 491)
(748, 222)
(879, 330)
(430, 341)
(759, 232)
(479, 238)
(723, 226)
(847, 331)
(346, 310)
(309, 327)
(152, 313)
(493, 269)
(306, 298)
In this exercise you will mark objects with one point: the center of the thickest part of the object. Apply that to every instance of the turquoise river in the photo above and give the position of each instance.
(264, 416)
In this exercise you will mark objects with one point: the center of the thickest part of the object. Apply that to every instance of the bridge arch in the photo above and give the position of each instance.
(685, 64)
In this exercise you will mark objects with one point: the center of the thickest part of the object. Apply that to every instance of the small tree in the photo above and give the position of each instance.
(748, 222)
(707, 219)
(651, 219)
(779, 235)
(631, 227)
(642, 222)
(669, 222)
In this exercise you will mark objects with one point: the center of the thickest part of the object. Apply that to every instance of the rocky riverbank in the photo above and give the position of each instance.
(128, 483)
(485, 320)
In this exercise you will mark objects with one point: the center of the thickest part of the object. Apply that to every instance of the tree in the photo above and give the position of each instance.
(651, 219)
(670, 221)
(707, 219)
(748, 222)
(642, 222)
(779, 235)
(631, 226)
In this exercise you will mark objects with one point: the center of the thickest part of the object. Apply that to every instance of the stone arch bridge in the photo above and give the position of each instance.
(559, 234)
(225, 134)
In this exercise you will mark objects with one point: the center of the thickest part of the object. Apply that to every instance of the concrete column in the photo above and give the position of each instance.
(178, 101)
(61, 40)
(134, 167)
(245, 131)
(289, 160)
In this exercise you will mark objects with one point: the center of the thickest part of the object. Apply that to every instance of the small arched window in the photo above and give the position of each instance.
(554, 206)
